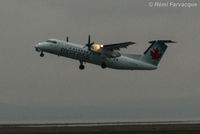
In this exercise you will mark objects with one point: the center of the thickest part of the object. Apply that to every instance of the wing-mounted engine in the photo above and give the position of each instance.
(110, 50)
(99, 48)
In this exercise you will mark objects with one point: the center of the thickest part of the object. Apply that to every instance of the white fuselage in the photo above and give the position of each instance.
(83, 54)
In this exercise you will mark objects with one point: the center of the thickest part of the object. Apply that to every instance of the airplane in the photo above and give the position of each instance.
(107, 56)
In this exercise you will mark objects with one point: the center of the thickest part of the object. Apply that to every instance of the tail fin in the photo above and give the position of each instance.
(155, 52)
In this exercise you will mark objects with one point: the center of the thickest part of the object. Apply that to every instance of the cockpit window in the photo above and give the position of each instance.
(51, 41)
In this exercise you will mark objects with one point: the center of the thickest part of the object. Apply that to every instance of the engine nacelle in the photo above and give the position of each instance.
(96, 47)
(109, 53)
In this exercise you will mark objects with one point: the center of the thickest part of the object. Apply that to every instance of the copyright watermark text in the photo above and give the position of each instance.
(173, 4)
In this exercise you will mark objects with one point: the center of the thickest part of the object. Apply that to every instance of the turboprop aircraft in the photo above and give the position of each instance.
(107, 56)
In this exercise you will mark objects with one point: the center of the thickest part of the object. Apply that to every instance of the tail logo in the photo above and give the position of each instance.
(155, 54)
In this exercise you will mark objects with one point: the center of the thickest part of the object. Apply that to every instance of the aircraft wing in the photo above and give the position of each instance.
(117, 46)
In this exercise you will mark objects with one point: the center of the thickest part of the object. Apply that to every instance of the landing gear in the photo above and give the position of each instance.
(103, 65)
(81, 67)
(41, 54)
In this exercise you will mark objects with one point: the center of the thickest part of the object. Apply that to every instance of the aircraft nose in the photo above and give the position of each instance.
(37, 47)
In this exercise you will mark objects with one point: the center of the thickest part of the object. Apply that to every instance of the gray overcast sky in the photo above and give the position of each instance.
(53, 89)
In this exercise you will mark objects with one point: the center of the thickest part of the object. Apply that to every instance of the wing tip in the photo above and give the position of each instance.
(132, 42)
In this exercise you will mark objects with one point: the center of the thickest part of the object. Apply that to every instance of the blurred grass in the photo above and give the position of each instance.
(126, 132)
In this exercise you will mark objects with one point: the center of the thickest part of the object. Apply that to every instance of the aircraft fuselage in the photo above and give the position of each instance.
(83, 54)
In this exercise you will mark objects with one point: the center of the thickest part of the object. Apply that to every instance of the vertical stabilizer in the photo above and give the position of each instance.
(155, 52)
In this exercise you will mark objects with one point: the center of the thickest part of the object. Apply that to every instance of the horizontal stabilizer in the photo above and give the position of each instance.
(164, 41)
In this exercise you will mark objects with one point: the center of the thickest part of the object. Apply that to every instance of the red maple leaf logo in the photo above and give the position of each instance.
(155, 54)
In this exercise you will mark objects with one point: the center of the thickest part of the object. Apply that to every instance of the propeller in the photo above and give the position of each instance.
(67, 39)
(89, 44)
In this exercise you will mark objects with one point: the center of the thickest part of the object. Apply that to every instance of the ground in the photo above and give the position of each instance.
(101, 129)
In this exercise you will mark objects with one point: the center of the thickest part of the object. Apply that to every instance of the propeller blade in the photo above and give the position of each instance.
(89, 44)
(88, 39)
(67, 39)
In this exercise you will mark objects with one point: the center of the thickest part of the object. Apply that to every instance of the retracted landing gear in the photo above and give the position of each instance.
(81, 67)
(41, 54)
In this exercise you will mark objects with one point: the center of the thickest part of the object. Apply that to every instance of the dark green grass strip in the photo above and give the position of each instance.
(127, 132)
